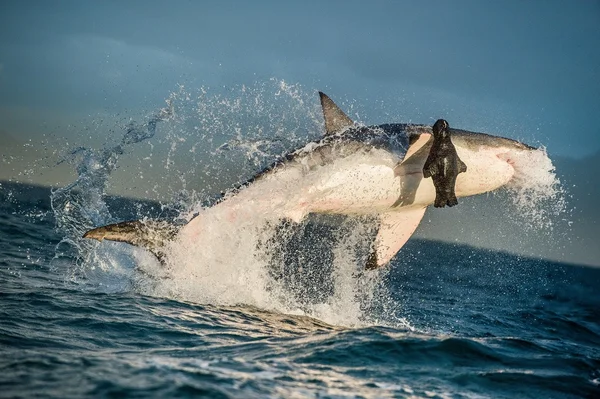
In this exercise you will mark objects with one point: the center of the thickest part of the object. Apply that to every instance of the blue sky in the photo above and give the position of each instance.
(523, 69)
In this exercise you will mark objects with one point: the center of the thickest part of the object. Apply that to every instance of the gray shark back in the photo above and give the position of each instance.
(395, 138)
(474, 140)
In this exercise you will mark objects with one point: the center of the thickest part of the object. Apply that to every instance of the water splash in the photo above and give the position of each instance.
(215, 139)
(81, 205)
(214, 129)
(303, 270)
(536, 191)
(221, 136)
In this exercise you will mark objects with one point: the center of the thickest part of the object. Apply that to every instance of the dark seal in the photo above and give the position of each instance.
(443, 165)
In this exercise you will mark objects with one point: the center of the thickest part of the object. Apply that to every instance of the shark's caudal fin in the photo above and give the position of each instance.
(152, 235)
(335, 119)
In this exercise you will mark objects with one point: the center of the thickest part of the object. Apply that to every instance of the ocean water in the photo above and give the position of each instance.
(276, 310)
(456, 322)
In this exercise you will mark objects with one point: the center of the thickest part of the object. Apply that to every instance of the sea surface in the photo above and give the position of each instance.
(456, 322)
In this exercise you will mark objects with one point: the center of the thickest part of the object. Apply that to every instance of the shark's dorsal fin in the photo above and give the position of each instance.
(150, 234)
(395, 229)
(335, 119)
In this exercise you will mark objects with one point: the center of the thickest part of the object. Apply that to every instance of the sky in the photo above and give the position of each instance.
(529, 69)
(524, 69)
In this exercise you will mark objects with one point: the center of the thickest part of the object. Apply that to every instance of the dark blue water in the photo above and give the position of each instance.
(457, 322)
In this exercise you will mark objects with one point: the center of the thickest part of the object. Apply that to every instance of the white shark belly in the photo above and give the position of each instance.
(360, 189)
(358, 184)
(372, 183)
(487, 170)
(362, 183)
(375, 188)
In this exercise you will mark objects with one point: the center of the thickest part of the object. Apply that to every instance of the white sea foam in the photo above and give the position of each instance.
(231, 262)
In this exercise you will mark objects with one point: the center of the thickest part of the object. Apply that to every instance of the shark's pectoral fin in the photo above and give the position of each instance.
(395, 229)
(150, 234)
(423, 141)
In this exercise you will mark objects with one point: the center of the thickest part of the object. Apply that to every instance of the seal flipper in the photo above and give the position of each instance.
(430, 168)
(462, 167)
(152, 235)
(395, 229)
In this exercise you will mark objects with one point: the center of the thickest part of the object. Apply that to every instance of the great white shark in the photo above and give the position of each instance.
(351, 170)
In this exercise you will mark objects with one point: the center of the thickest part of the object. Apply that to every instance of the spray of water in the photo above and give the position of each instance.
(216, 139)
(81, 205)
(536, 190)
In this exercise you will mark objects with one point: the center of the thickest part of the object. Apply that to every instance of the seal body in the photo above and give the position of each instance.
(443, 165)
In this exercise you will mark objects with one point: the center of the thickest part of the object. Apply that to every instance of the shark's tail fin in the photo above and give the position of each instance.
(152, 235)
